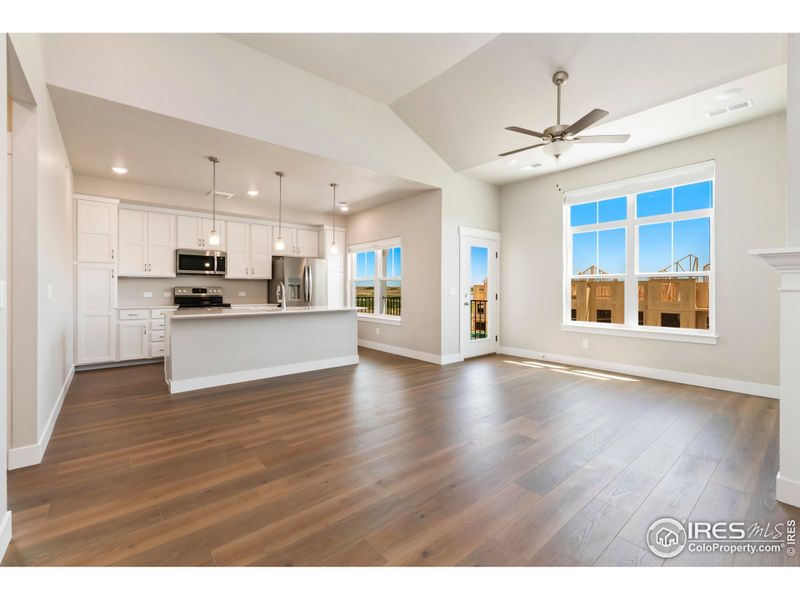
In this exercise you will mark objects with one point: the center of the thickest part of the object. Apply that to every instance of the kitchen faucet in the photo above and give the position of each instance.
(281, 293)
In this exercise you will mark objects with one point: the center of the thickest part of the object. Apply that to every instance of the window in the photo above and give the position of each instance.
(376, 276)
(639, 252)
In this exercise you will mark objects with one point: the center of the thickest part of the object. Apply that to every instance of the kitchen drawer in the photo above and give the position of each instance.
(158, 313)
(156, 336)
(157, 324)
(134, 314)
(157, 349)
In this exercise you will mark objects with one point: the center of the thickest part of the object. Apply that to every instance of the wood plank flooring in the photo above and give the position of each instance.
(496, 461)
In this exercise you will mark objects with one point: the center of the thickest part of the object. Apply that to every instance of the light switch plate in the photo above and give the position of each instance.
(148, 294)
(242, 294)
(49, 291)
(3, 299)
(454, 291)
(167, 294)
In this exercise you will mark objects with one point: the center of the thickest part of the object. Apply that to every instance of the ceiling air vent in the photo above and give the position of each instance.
(225, 195)
(530, 167)
(729, 109)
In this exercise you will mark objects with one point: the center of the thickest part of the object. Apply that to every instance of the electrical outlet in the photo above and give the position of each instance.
(242, 294)
(167, 294)
(377, 331)
(147, 294)
(585, 343)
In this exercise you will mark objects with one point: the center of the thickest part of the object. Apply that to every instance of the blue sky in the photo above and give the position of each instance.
(479, 261)
(660, 244)
(365, 265)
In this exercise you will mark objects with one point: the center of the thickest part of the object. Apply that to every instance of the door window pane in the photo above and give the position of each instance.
(583, 214)
(611, 250)
(655, 247)
(479, 280)
(694, 196)
(615, 209)
(658, 202)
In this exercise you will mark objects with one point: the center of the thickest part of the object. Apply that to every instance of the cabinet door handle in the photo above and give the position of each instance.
(112, 273)
(112, 254)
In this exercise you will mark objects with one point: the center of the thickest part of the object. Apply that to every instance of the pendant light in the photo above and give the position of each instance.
(213, 238)
(280, 245)
(334, 249)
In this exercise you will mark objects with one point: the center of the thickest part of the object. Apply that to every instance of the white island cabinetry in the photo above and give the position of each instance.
(249, 344)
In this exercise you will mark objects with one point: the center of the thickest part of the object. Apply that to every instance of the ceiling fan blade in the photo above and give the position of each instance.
(586, 121)
(521, 149)
(527, 132)
(602, 139)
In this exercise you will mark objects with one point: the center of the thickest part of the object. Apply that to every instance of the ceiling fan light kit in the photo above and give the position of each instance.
(559, 138)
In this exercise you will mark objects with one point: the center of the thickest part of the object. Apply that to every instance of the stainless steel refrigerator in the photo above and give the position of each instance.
(306, 280)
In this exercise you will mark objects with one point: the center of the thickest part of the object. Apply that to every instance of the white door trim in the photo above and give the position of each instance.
(463, 316)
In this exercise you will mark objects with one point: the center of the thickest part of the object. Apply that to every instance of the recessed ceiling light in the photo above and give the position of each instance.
(343, 206)
(119, 170)
(729, 93)
(252, 193)
(511, 163)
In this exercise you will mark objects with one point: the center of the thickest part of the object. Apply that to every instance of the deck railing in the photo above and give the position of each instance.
(477, 311)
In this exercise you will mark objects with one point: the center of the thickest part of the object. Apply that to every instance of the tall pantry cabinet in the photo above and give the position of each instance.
(95, 277)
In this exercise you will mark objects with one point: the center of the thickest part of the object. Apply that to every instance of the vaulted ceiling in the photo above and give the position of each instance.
(459, 91)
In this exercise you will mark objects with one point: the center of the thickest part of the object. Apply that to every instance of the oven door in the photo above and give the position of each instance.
(196, 262)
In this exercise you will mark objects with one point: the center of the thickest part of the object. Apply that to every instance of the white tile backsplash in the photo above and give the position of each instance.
(151, 291)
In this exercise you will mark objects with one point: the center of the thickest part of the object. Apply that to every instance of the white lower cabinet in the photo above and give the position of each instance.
(133, 341)
(96, 290)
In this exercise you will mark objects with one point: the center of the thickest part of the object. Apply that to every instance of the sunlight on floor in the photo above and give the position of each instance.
(568, 371)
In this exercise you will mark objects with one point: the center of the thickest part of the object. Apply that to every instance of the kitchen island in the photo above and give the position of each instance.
(219, 346)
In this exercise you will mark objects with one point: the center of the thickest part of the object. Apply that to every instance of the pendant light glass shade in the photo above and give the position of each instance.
(213, 238)
(280, 245)
(334, 249)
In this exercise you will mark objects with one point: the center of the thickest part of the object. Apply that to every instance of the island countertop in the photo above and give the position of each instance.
(212, 313)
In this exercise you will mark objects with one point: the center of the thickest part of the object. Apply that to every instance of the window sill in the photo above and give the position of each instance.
(691, 337)
(381, 319)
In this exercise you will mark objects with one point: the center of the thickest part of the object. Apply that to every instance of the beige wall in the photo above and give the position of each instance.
(4, 252)
(750, 213)
(469, 203)
(417, 220)
(42, 276)
(135, 193)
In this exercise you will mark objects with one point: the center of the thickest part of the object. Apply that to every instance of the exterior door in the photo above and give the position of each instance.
(132, 243)
(480, 258)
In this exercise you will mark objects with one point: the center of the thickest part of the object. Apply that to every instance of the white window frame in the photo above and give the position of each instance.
(629, 188)
(377, 247)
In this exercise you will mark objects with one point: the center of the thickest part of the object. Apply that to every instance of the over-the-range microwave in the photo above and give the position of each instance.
(200, 262)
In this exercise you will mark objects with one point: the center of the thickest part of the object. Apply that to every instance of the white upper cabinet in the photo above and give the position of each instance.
(146, 244)
(260, 252)
(307, 243)
(299, 242)
(96, 230)
(249, 251)
(238, 264)
(160, 244)
(193, 233)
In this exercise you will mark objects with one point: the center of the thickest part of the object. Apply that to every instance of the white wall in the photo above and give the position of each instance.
(135, 193)
(750, 213)
(417, 220)
(5, 516)
(42, 268)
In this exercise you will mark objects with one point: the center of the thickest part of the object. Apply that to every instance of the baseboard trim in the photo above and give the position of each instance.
(199, 383)
(26, 456)
(787, 490)
(437, 359)
(124, 363)
(5, 533)
(718, 383)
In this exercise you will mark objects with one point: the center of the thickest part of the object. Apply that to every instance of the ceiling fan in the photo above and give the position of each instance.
(558, 139)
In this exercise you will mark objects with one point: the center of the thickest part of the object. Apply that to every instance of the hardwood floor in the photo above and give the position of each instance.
(496, 461)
